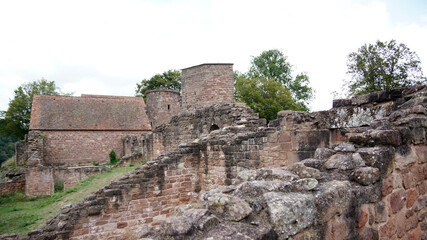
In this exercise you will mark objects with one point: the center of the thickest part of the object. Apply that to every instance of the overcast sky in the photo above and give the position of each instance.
(106, 47)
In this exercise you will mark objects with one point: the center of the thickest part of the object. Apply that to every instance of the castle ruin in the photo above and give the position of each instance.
(218, 171)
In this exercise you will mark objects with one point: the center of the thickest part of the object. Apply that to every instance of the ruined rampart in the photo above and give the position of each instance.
(207, 84)
(162, 104)
(190, 125)
(364, 182)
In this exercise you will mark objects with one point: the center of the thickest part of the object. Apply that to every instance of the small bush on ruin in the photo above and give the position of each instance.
(112, 156)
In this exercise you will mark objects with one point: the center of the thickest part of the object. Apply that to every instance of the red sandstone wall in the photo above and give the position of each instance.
(70, 176)
(13, 186)
(402, 212)
(207, 84)
(147, 198)
(162, 105)
(39, 181)
(73, 148)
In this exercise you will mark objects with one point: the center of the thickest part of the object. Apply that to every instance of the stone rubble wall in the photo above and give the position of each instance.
(12, 180)
(162, 105)
(77, 148)
(76, 153)
(367, 182)
(70, 176)
(191, 125)
(207, 84)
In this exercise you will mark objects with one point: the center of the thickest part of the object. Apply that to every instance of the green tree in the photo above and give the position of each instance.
(265, 95)
(382, 66)
(16, 120)
(168, 80)
(273, 64)
(7, 148)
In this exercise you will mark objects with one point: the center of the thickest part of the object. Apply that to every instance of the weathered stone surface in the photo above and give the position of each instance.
(362, 218)
(378, 157)
(303, 171)
(305, 184)
(240, 231)
(185, 223)
(313, 163)
(227, 207)
(366, 194)
(323, 153)
(366, 175)
(386, 137)
(340, 161)
(289, 213)
(345, 147)
(358, 160)
(397, 200)
(266, 174)
(405, 159)
(369, 233)
(333, 198)
(253, 191)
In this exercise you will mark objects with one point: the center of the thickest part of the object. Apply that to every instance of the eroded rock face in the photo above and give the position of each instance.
(341, 162)
(290, 212)
(240, 231)
(227, 207)
(366, 175)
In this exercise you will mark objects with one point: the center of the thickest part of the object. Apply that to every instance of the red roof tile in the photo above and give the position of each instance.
(89, 112)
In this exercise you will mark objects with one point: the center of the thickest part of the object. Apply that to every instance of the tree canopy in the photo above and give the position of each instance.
(383, 66)
(16, 120)
(170, 79)
(269, 86)
(273, 64)
(265, 95)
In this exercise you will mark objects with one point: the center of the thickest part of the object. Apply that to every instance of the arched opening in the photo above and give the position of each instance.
(213, 128)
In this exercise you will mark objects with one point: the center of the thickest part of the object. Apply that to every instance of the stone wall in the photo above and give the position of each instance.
(191, 125)
(70, 176)
(12, 186)
(21, 152)
(12, 180)
(367, 182)
(207, 84)
(42, 172)
(76, 148)
(162, 105)
(39, 181)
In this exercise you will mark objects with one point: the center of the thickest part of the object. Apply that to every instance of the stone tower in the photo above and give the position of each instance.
(207, 84)
(162, 104)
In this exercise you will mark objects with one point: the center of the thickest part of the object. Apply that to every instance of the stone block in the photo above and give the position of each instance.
(290, 212)
(323, 153)
(397, 200)
(366, 175)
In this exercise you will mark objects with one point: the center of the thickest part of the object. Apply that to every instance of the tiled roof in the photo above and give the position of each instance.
(88, 112)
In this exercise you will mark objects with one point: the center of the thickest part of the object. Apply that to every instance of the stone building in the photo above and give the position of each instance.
(162, 104)
(207, 84)
(70, 137)
(83, 130)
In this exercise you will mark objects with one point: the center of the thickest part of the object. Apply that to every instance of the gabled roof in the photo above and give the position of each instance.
(88, 112)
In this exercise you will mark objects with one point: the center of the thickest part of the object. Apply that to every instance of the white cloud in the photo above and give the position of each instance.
(106, 47)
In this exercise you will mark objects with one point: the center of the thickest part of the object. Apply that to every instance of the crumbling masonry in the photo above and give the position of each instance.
(357, 171)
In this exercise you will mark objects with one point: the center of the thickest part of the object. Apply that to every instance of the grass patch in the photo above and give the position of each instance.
(20, 215)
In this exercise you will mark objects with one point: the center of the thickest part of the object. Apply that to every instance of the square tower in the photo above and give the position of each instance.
(207, 84)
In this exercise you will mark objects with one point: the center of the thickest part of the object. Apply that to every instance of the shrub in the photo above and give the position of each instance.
(112, 156)
(58, 186)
